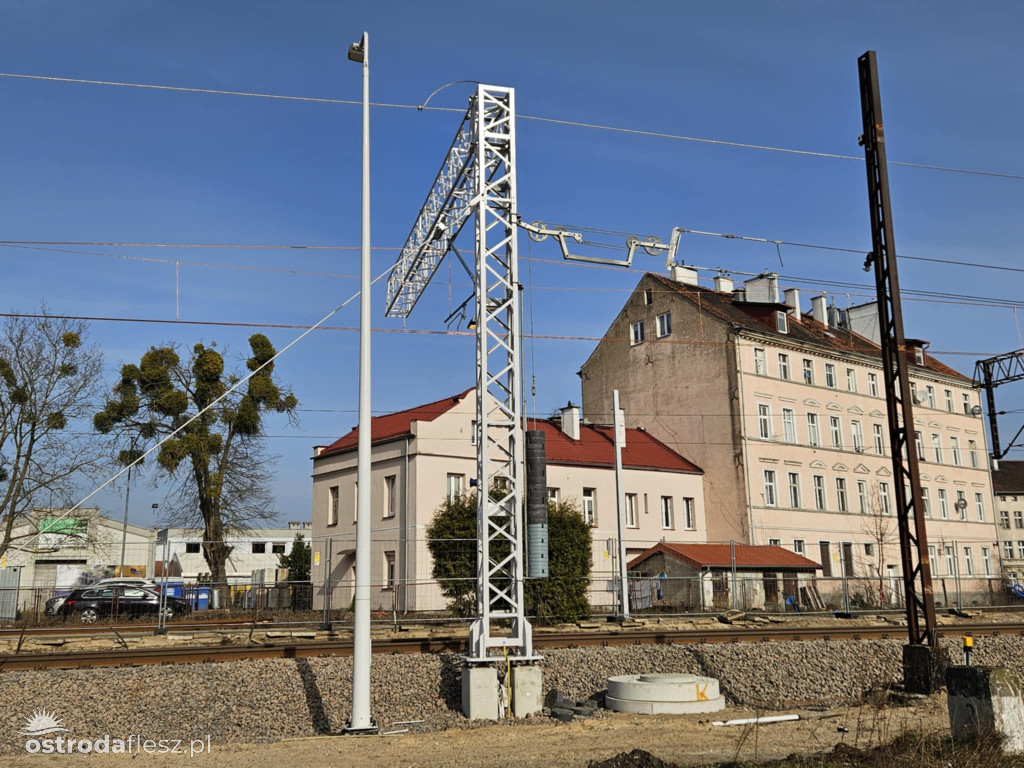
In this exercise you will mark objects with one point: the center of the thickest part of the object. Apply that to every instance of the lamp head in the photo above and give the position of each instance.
(356, 52)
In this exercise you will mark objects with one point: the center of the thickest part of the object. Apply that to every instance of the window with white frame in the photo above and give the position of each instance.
(789, 425)
(794, 490)
(799, 546)
(979, 506)
(784, 366)
(930, 395)
(819, 493)
(774, 542)
(883, 497)
(474, 432)
(1004, 519)
(857, 434)
(813, 432)
(869, 550)
(1008, 550)
(972, 450)
(830, 376)
(986, 560)
(949, 400)
(954, 450)
(842, 505)
(918, 356)
(664, 323)
(967, 403)
(648, 296)
(961, 504)
(782, 322)
(808, 371)
(873, 384)
(1018, 519)
(760, 367)
(454, 485)
(968, 561)
(390, 496)
(933, 559)
(764, 421)
(926, 501)
(636, 332)
(837, 431)
(389, 570)
(863, 500)
(950, 559)
(770, 496)
(666, 512)
(589, 506)
(919, 442)
(332, 505)
(631, 511)
(879, 437)
(937, 447)
(1020, 550)
(689, 516)
(851, 379)
(943, 504)
(553, 495)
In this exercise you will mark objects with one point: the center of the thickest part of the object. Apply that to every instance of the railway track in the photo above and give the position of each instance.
(457, 644)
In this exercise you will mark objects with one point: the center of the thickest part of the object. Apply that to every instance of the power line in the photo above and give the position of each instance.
(546, 120)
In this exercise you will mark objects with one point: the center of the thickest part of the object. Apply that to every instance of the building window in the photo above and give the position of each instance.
(830, 376)
(783, 366)
(590, 506)
(259, 547)
(930, 394)
(869, 550)
(454, 486)
(666, 512)
(986, 560)
(863, 502)
(926, 501)
(789, 425)
(192, 547)
(841, 503)
(799, 547)
(968, 561)
(857, 433)
(1008, 550)
(919, 442)
(1020, 550)
(819, 493)
(808, 371)
(979, 506)
(950, 559)
(636, 332)
(933, 560)
(851, 379)
(759, 363)
(631, 518)
(474, 433)
(390, 497)
(883, 497)
(770, 498)
(873, 384)
(954, 449)
(1004, 519)
(967, 403)
(972, 450)
(943, 504)
(648, 296)
(689, 520)
(389, 570)
(937, 447)
(774, 542)
(277, 549)
(664, 323)
(961, 504)
(813, 434)
(781, 322)
(1018, 519)
(794, 490)
(332, 506)
(764, 421)
(949, 401)
(837, 431)
(879, 438)
(552, 495)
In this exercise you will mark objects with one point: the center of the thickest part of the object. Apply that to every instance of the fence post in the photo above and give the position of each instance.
(325, 625)
(732, 557)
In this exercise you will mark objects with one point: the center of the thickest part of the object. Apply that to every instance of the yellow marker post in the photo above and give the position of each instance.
(968, 646)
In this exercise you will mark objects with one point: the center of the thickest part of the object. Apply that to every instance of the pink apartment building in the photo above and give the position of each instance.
(425, 453)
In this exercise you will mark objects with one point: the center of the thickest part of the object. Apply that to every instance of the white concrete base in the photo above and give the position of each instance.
(664, 694)
(527, 691)
(986, 699)
(480, 692)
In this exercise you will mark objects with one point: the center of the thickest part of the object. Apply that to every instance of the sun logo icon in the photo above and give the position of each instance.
(41, 723)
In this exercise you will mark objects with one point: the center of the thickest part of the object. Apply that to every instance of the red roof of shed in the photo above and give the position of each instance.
(720, 556)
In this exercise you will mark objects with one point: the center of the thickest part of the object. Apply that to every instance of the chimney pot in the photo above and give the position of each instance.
(792, 300)
(818, 309)
(683, 274)
(723, 284)
(571, 420)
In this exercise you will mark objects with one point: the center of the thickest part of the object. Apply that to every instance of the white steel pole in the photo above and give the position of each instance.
(620, 506)
(360, 719)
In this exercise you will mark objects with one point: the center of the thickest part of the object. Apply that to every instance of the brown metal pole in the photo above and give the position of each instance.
(909, 509)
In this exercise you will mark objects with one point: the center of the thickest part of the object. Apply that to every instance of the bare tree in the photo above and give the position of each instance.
(49, 380)
(880, 527)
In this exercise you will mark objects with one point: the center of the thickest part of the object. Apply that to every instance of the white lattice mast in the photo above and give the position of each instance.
(478, 177)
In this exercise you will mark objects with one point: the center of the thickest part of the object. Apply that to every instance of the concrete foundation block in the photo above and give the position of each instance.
(921, 669)
(527, 690)
(986, 700)
(480, 692)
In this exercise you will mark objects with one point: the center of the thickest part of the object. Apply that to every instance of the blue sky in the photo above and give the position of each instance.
(100, 163)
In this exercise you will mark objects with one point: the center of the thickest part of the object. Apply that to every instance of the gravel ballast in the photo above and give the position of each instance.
(260, 700)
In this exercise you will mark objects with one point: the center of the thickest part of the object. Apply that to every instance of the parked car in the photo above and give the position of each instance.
(101, 601)
(53, 605)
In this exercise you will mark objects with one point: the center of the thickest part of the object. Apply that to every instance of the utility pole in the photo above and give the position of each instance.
(619, 421)
(360, 720)
(124, 527)
(919, 662)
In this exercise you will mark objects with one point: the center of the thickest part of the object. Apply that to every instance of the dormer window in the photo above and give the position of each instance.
(782, 322)
(919, 356)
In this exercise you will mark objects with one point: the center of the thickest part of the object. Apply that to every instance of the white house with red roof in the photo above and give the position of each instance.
(423, 454)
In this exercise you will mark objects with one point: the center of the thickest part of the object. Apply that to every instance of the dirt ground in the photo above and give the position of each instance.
(684, 739)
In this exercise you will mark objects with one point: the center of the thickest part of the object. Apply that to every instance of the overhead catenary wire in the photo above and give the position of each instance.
(535, 118)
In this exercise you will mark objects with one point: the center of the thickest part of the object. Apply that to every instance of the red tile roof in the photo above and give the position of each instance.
(720, 556)
(596, 448)
(395, 425)
(806, 330)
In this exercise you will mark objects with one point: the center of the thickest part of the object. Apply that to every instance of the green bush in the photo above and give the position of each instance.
(559, 598)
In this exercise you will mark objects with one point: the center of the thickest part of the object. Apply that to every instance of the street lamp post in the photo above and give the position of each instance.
(360, 720)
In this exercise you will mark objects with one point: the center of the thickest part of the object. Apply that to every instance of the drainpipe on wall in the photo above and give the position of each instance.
(405, 532)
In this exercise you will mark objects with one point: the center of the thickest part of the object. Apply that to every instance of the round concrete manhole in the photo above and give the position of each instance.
(656, 694)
